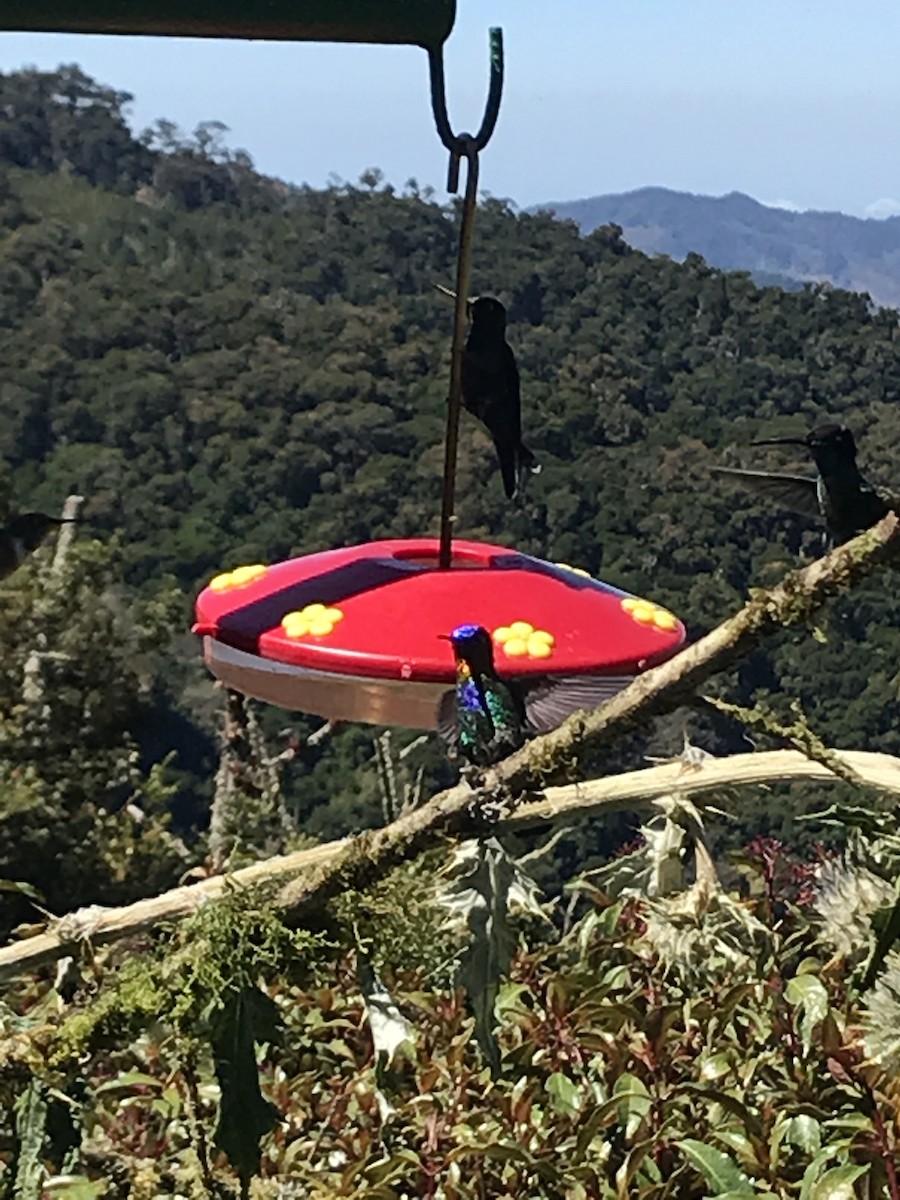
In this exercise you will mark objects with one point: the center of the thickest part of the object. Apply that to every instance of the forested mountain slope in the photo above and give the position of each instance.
(231, 370)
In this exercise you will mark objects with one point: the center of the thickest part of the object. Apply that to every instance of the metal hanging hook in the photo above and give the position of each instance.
(458, 143)
(461, 146)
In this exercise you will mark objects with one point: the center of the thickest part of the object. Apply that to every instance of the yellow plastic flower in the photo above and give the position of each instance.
(520, 639)
(645, 612)
(575, 570)
(316, 619)
(239, 577)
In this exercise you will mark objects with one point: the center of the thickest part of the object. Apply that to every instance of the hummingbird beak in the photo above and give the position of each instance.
(447, 292)
(444, 637)
(780, 442)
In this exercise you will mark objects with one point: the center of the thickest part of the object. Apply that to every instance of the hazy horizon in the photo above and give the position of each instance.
(796, 105)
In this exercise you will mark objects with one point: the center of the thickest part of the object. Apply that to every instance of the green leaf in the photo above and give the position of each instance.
(390, 1029)
(25, 889)
(630, 1167)
(807, 992)
(801, 1130)
(721, 1173)
(715, 1067)
(850, 1120)
(837, 1184)
(565, 1095)
(31, 1123)
(742, 1146)
(126, 1082)
(598, 1118)
(886, 923)
(725, 1100)
(501, 1151)
(805, 1133)
(742, 1195)
(383, 1171)
(814, 1171)
(634, 1102)
(74, 1187)
(483, 882)
(247, 1016)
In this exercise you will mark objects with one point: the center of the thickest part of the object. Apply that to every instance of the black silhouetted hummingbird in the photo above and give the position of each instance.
(848, 503)
(22, 536)
(485, 718)
(491, 389)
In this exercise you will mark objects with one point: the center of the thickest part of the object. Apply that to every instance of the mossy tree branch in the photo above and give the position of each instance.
(592, 797)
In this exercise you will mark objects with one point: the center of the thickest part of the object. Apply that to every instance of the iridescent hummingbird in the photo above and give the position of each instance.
(491, 390)
(839, 494)
(485, 718)
(22, 536)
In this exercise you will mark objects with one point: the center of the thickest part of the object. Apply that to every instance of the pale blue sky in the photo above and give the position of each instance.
(787, 100)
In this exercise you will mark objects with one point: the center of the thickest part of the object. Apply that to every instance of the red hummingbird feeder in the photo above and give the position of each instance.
(354, 634)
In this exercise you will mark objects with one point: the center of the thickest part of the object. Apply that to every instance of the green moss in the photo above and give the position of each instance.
(230, 943)
(129, 1000)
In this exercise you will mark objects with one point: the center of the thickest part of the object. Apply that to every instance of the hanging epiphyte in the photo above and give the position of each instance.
(839, 494)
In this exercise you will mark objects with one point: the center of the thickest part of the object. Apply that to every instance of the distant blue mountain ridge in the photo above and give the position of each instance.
(736, 232)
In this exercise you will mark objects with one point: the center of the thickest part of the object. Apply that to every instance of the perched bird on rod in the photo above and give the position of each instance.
(22, 536)
(485, 718)
(491, 391)
(839, 494)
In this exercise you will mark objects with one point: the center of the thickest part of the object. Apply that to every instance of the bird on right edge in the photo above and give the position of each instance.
(22, 536)
(839, 494)
(491, 390)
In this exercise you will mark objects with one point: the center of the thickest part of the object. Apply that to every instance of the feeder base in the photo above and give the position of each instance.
(325, 694)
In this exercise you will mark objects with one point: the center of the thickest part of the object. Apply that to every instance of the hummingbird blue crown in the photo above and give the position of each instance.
(462, 633)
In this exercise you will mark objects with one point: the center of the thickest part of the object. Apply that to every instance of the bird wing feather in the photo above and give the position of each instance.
(514, 391)
(549, 701)
(796, 492)
(447, 723)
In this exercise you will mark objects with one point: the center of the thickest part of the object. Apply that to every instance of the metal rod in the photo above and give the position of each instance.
(461, 146)
(463, 276)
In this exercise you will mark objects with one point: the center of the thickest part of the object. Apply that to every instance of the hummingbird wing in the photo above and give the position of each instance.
(447, 723)
(549, 701)
(796, 492)
(882, 497)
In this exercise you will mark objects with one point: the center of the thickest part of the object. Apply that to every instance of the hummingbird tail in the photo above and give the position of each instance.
(527, 461)
(509, 472)
(516, 463)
